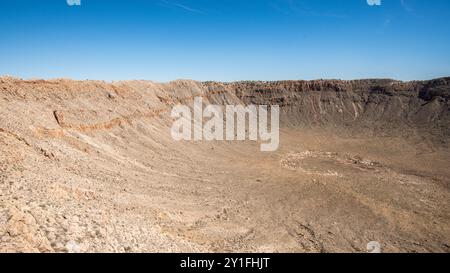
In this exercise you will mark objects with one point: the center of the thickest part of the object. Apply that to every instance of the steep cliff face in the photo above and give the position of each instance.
(376, 107)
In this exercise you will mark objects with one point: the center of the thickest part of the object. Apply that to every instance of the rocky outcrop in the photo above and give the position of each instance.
(377, 107)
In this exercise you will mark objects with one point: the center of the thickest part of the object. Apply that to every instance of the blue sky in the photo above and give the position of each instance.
(225, 40)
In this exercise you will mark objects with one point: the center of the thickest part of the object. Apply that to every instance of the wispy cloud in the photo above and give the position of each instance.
(409, 9)
(300, 8)
(406, 7)
(172, 4)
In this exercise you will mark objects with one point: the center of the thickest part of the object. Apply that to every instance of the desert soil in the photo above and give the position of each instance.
(91, 167)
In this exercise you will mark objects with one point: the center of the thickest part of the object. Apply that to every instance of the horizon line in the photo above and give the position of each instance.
(217, 81)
